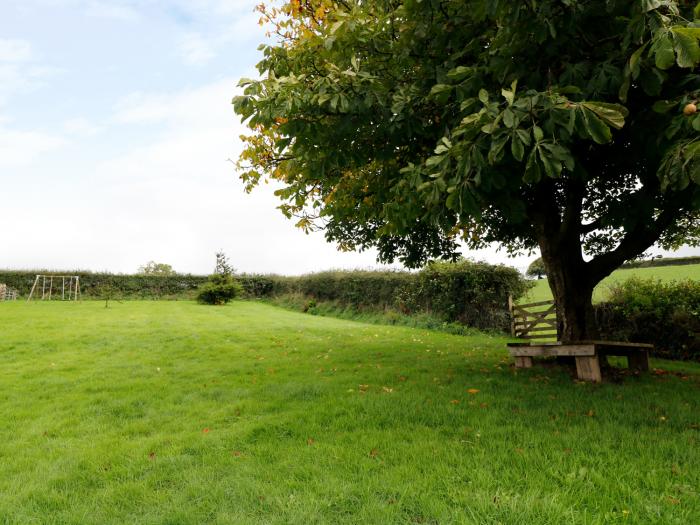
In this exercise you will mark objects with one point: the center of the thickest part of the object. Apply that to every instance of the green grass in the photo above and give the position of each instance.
(171, 412)
(541, 291)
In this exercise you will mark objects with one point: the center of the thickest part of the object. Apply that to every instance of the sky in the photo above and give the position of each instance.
(116, 139)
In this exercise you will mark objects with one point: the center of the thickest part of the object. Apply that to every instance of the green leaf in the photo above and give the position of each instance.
(496, 151)
(552, 167)
(533, 173)
(508, 118)
(524, 136)
(664, 106)
(650, 5)
(612, 114)
(595, 127)
(484, 96)
(664, 55)
(470, 119)
(634, 61)
(459, 73)
(538, 133)
(686, 45)
(696, 123)
(509, 96)
(517, 148)
(438, 89)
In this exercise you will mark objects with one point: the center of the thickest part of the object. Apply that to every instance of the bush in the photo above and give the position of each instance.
(473, 294)
(666, 314)
(219, 289)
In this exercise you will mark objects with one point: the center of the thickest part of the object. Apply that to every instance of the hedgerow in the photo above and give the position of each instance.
(666, 314)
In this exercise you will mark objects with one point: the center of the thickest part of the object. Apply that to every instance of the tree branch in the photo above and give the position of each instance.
(636, 242)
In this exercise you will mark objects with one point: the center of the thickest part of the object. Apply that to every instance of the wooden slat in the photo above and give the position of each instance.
(541, 328)
(520, 311)
(523, 324)
(617, 343)
(552, 350)
(530, 305)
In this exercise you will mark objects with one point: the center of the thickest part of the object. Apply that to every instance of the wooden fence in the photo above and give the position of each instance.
(7, 293)
(534, 320)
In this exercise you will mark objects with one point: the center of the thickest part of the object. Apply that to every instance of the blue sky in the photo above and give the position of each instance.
(115, 130)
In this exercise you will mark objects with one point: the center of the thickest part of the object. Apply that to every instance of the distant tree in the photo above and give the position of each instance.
(223, 267)
(537, 269)
(154, 268)
(221, 286)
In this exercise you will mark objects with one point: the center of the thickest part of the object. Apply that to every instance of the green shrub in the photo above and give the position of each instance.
(473, 294)
(666, 314)
(219, 289)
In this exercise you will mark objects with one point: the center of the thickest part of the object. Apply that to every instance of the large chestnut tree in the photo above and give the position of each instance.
(421, 126)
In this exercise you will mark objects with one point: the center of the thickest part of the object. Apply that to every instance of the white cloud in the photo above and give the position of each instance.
(175, 198)
(81, 126)
(15, 50)
(195, 50)
(20, 148)
(112, 11)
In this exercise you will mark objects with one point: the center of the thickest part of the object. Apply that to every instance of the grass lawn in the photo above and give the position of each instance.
(171, 412)
(541, 291)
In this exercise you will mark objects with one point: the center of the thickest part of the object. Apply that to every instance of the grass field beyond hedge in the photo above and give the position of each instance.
(171, 412)
(541, 291)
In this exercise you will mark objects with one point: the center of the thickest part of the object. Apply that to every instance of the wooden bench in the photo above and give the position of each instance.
(587, 354)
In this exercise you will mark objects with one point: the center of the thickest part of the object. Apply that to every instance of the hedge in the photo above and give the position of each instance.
(117, 286)
(666, 314)
(664, 261)
(473, 294)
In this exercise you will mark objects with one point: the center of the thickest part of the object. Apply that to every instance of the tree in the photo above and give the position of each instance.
(154, 268)
(537, 269)
(221, 287)
(418, 127)
(223, 267)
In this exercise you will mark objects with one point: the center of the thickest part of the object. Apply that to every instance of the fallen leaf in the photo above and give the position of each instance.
(237, 453)
(590, 413)
(310, 441)
(373, 453)
(473, 391)
(674, 501)
(387, 389)
(205, 431)
(152, 456)
(455, 401)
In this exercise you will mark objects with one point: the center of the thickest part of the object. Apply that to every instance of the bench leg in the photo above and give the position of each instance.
(588, 368)
(639, 361)
(523, 362)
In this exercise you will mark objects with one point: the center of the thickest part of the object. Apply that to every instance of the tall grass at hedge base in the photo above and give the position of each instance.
(666, 314)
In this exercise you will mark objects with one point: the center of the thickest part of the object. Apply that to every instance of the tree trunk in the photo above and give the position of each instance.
(572, 289)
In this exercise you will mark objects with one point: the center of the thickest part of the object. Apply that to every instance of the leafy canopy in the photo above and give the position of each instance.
(154, 268)
(416, 125)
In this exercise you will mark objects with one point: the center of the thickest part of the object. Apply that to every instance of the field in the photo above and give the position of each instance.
(171, 412)
(541, 291)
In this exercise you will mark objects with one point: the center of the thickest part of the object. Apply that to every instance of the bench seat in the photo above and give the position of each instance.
(586, 353)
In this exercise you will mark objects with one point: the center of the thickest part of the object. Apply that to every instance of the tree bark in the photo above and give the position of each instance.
(572, 289)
